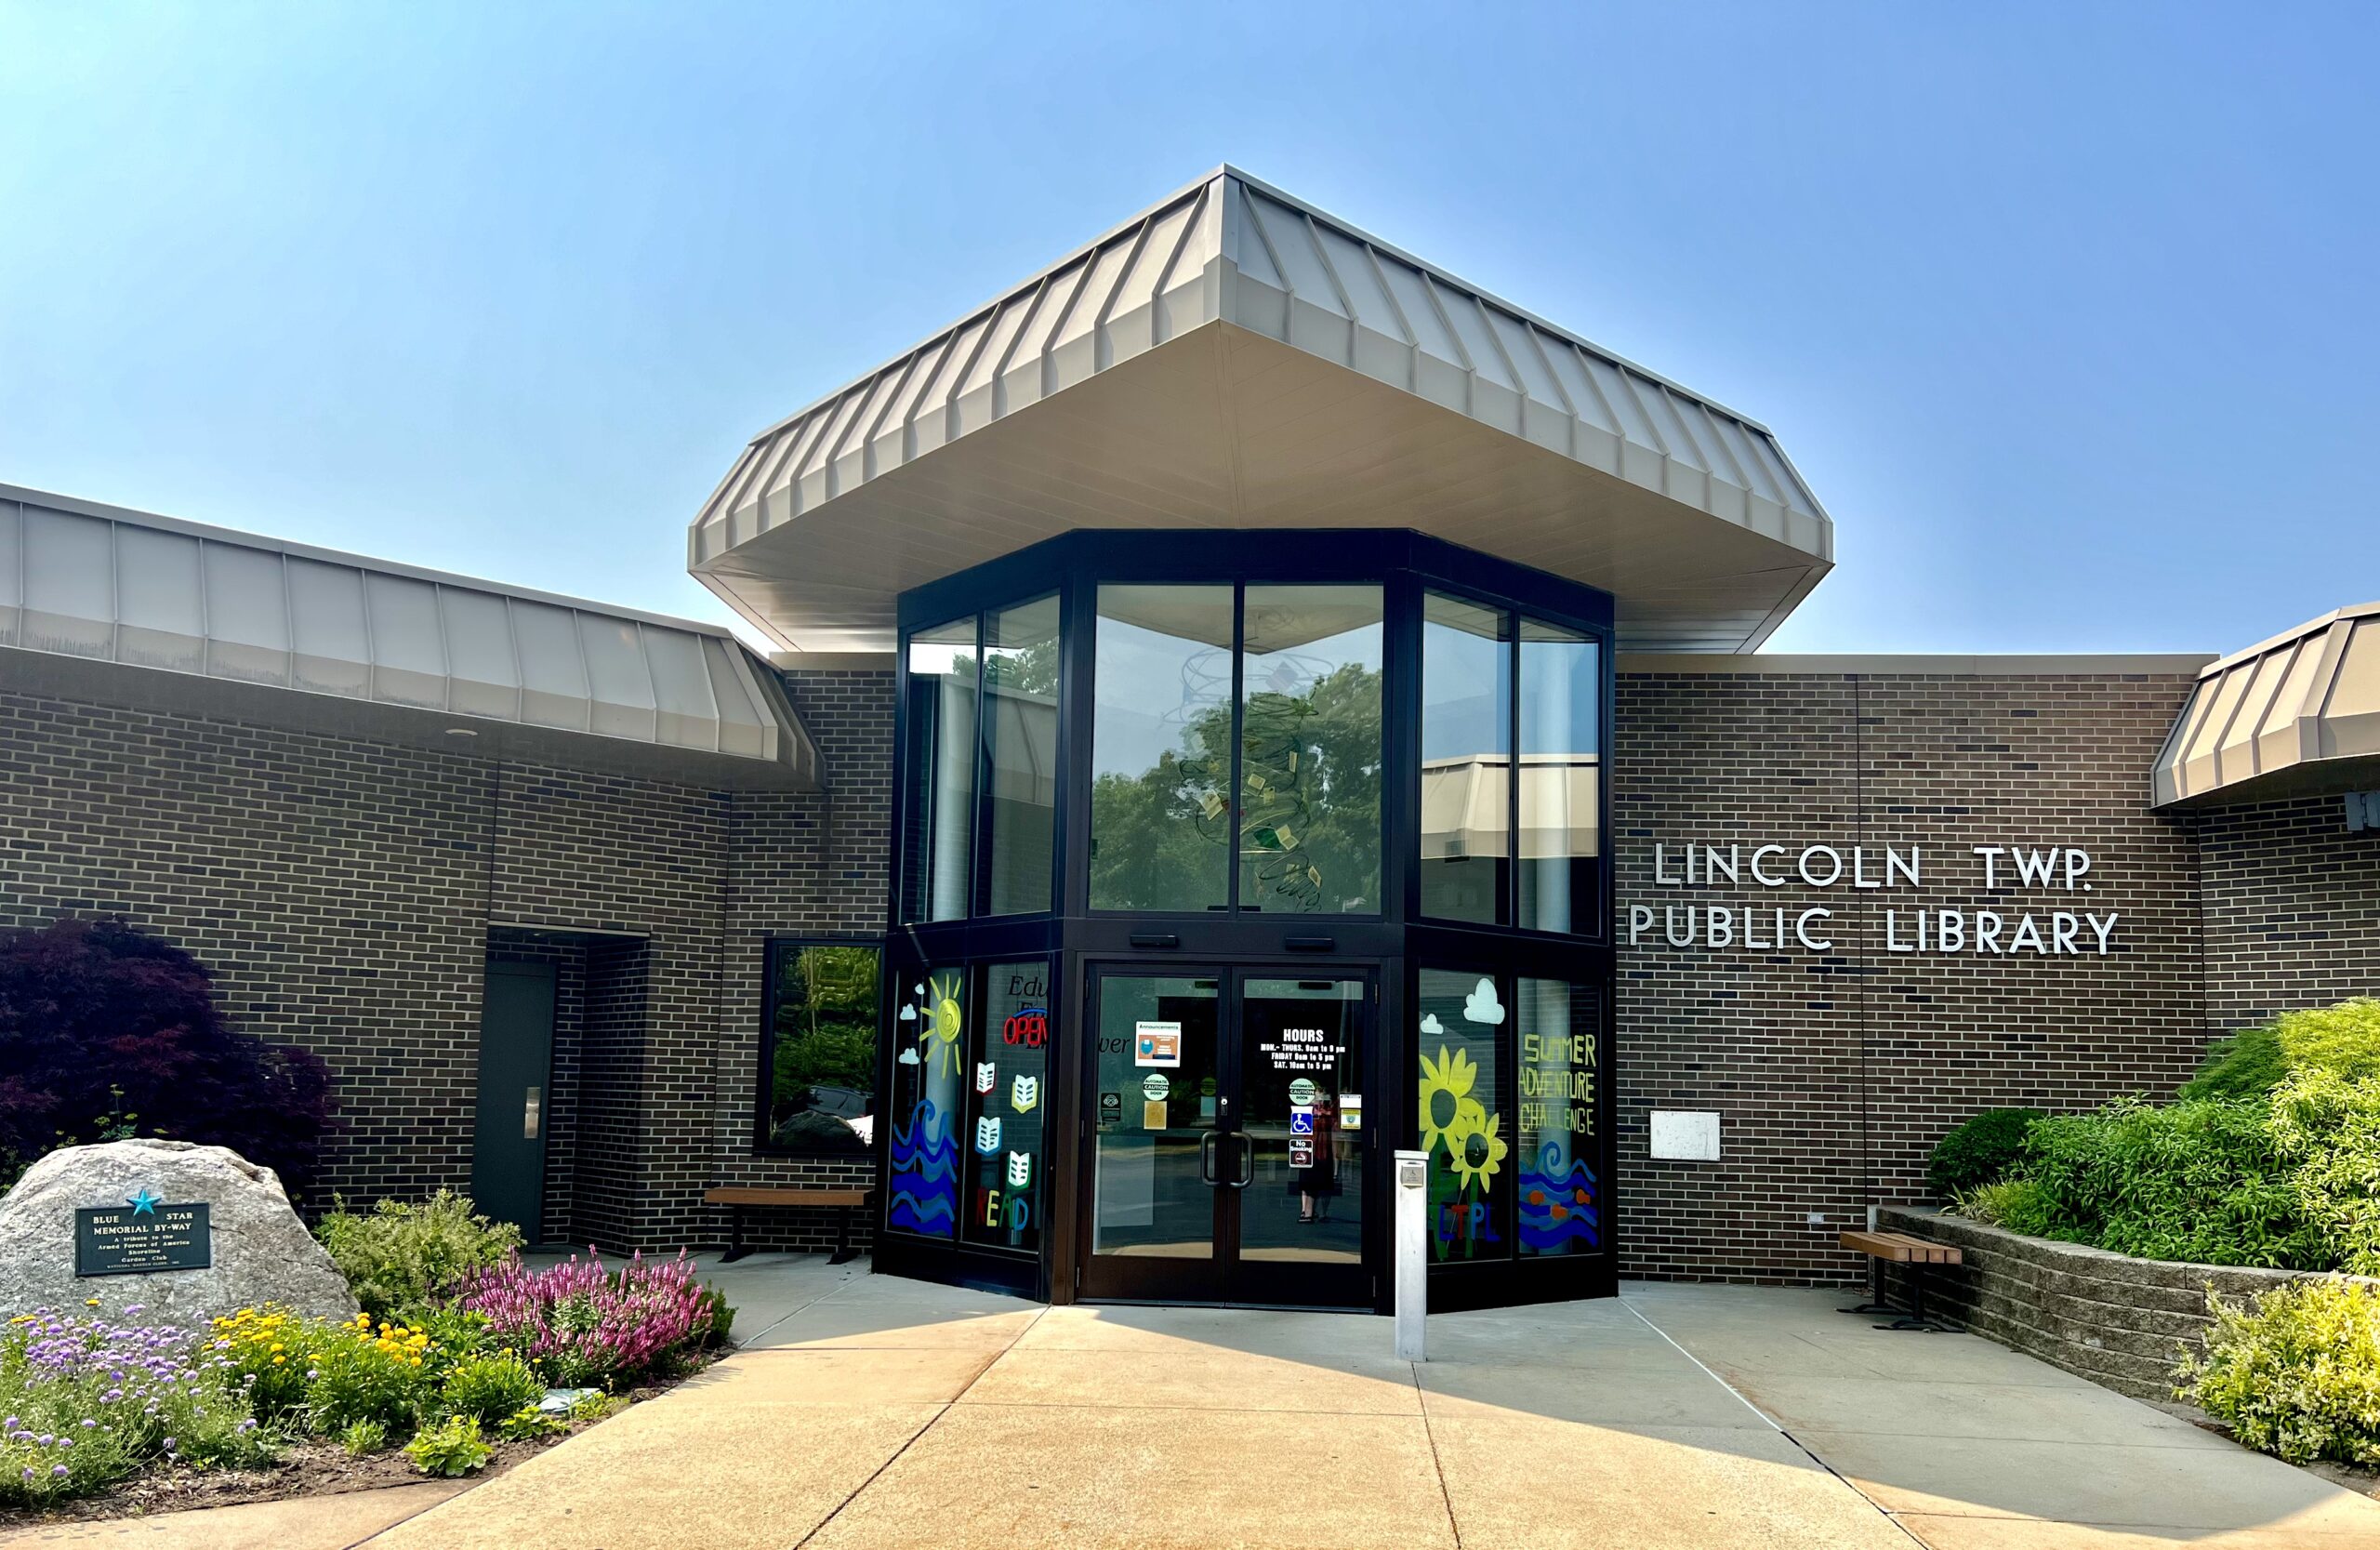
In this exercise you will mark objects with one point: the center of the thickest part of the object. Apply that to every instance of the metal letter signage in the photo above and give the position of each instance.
(1756, 928)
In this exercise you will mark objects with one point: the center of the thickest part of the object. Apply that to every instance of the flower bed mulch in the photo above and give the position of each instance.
(309, 1466)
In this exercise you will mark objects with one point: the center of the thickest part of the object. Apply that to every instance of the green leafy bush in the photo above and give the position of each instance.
(364, 1372)
(401, 1258)
(364, 1439)
(2019, 1205)
(1982, 1151)
(2297, 1373)
(451, 1447)
(490, 1387)
(2327, 1126)
(2343, 1039)
(2201, 1180)
(530, 1422)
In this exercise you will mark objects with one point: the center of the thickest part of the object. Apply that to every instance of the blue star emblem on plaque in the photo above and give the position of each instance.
(144, 1203)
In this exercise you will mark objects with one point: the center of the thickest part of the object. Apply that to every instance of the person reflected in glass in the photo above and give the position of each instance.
(1316, 1185)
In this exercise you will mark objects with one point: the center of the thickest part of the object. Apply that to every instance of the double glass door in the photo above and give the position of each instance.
(1231, 1147)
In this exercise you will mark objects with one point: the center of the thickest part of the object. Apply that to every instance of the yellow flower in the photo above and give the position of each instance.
(416, 1361)
(1478, 1150)
(278, 1360)
(1446, 1087)
(277, 1346)
(91, 1302)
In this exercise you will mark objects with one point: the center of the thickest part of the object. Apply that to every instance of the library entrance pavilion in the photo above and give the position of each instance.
(1254, 589)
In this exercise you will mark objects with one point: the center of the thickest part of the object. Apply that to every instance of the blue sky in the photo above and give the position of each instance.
(2066, 312)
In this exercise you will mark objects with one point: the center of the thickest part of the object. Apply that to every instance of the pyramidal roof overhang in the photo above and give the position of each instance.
(2297, 715)
(130, 609)
(1234, 358)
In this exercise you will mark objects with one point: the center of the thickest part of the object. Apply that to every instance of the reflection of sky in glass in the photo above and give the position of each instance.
(1561, 694)
(1463, 680)
(1151, 689)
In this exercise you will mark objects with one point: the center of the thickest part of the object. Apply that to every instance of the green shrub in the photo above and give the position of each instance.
(2328, 1127)
(1980, 1152)
(2297, 1373)
(2019, 1205)
(362, 1372)
(722, 1317)
(530, 1422)
(2343, 1038)
(401, 1258)
(2202, 1180)
(450, 1447)
(364, 1439)
(490, 1387)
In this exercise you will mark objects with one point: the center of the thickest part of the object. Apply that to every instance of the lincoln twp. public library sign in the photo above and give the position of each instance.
(1911, 925)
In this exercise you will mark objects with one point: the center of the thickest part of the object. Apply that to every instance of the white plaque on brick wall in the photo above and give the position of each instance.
(1686, 1135)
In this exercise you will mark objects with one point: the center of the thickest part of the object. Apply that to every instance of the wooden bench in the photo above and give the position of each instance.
(737, 1200)
(1899, 1248)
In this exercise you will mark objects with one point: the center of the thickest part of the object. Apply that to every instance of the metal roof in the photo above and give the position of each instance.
(2298, 713)
(107, 585)
(1348, 384)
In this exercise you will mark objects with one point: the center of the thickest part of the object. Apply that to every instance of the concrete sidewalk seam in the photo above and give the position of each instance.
(898, 1453)
(1847, 1484)
(1437, 1465)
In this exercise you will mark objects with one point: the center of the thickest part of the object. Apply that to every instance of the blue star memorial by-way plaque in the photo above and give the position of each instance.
(144, 1234)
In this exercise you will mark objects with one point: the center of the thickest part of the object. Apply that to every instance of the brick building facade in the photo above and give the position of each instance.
(347, 894)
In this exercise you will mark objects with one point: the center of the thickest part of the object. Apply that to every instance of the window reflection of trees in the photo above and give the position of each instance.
(822, 1065)
(1310, 781)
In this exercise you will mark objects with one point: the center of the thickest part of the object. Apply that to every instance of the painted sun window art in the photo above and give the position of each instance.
(928, 1033)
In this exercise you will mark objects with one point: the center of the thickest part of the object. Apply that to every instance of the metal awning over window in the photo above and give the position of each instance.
(2298, 713)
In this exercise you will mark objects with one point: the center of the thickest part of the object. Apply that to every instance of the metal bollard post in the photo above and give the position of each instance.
(1412, 1253)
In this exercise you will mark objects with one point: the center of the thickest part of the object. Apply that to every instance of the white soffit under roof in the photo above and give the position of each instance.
(2298, 713)
(543, 676)
(1233, 357)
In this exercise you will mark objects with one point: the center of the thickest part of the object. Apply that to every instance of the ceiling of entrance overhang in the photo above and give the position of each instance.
(147, 610)
(1235, 358)
(2299, 713)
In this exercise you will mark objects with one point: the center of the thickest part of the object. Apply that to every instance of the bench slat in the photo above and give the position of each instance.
(1901, 1247)
(755, 1196)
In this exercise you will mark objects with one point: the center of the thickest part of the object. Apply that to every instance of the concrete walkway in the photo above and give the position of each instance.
(868, 1412)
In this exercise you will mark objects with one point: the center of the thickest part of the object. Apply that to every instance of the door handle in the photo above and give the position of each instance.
(530, 1113)
(1248, 1159)
(1207, 1158)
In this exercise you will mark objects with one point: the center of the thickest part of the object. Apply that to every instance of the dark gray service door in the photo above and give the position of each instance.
(516, 1075)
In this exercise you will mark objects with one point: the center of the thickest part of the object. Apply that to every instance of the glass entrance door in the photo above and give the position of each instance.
(1231, 1148)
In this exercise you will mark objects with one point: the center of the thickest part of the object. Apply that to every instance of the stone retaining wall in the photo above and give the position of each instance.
(2116, 1321)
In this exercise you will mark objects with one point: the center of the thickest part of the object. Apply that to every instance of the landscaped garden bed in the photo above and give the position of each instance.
(464, 1360)
(2218, 1250)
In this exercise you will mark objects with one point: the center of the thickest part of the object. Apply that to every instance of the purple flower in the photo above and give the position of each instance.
(58, 1469)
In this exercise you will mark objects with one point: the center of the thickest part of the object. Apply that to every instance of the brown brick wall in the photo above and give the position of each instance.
(348, 895)
(2293, 908)
(1836, 1072)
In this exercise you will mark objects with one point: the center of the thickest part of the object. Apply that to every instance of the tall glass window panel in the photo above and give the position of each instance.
(940, 788)
(1560, 1196)
(1007, 1086)
(1310, 750)
(1466, 759)
(1160, 749)
(1462, 1026)
(1560, 727)
(1021, 725)
(929, 1060)
(821, 1067)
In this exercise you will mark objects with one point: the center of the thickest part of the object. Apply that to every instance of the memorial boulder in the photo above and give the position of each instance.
(186, 1232)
